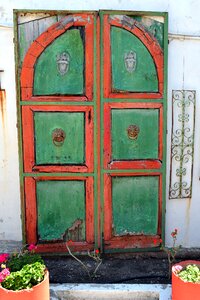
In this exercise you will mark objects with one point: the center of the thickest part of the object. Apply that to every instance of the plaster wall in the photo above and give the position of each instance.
(183, 73)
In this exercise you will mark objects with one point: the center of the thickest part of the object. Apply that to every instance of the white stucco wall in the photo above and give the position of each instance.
(184, 73)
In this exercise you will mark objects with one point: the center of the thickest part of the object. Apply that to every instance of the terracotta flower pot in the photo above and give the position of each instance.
(182, 290)
(37, 292)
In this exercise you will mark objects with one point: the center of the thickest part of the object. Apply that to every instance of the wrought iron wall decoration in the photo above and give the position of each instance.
(182, 144)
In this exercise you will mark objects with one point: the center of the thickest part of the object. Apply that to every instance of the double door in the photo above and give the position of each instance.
(92, 97)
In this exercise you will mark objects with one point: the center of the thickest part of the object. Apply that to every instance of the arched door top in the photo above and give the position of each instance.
(45, 40)
(150, 43)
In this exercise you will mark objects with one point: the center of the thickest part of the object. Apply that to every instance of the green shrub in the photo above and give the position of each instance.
(28, 276)
(17, 261)
(190, 274)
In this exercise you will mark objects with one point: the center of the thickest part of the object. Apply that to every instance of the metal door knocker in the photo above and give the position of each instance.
(130, 61)
(63, 60)
(58, 137)
(133, 131)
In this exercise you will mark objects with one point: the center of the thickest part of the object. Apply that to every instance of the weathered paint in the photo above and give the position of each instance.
(36, 193)
(44, 40)
(145, 145)
(149, 42)
(133, 162)
(67, 113)
(183, 46)
(137, 199)
(59, 205)
(47, 78)
(120, 148)
(29, 31)
(40, 122)
(68, 151)
(144, 77)
(129, 239)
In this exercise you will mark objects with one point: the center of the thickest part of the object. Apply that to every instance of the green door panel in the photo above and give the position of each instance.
(47, 78)
(144, 77)
(71, 150)
(145, 146)
(61, 210)
(135, 204)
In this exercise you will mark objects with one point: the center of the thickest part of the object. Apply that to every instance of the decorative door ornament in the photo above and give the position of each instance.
(63, 60)
(133, 131)
(58, 136)
(130, 61)
(182, 145)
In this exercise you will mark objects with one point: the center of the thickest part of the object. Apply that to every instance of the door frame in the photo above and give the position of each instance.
(97, 71)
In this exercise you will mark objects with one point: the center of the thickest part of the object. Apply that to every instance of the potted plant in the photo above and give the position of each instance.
(186, 280)
(23, 276)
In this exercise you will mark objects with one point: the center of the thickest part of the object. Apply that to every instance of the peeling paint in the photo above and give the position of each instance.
(75, 233)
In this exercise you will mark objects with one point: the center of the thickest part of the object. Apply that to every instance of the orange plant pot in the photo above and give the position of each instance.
(182, 290)
(37, 292)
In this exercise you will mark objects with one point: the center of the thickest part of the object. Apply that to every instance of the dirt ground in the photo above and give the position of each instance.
(116, 268)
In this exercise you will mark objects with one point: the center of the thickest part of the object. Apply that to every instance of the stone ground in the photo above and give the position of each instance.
(143, 268)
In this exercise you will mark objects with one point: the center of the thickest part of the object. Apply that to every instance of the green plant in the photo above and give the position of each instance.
(26, 278)
(18, 260)
(21, 270)
(191, 273)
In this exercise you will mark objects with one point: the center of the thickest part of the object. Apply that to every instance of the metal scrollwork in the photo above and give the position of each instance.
(63, 61)
(130, 61)
(182, 144)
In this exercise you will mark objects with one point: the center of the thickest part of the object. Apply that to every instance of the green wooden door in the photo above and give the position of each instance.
(92, 97)
(133, 103)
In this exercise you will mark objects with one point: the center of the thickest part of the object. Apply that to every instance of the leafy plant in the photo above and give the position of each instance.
(190, 274)
(21, 270)
(27, 277)
(18, 260)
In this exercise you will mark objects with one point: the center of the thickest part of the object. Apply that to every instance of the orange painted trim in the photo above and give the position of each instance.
(107, 72)
(160, 138)
(98, 112)
(89, 59)
(139, 164)
(31, 216)
(134, 95)
(131, 164)
(28, 138)
(30, 210)
(27, 78)
(128, 241)
(28, 94)
(107, 207)
(149, 42)
(29, 143)
(160, 206)
(89, 210)
(43, 41)
(61, 247)
(133, 242)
